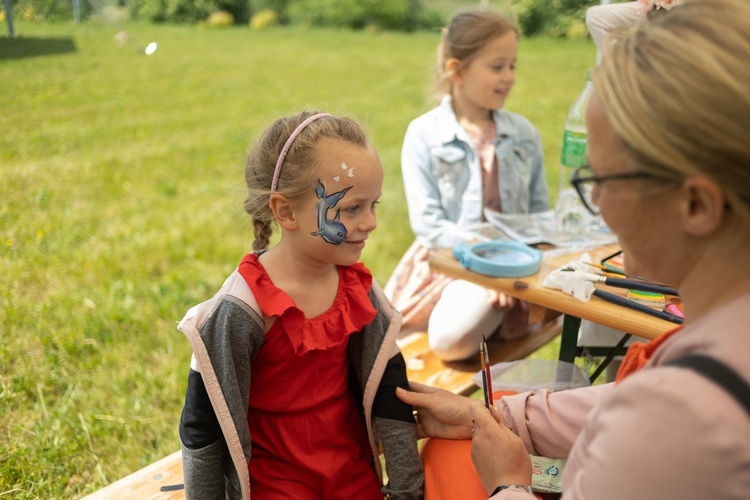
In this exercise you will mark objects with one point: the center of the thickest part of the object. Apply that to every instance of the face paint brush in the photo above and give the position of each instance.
(644, 286)
(484, 359)
(632, 284)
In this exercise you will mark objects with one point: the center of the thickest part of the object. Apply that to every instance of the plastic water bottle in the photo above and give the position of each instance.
(571, 216)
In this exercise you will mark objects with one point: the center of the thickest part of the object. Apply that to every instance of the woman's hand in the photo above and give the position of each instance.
(499, 456)
(440, 413)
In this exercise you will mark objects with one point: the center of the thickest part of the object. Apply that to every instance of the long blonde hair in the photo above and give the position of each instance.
(676, 93)
(300, 169)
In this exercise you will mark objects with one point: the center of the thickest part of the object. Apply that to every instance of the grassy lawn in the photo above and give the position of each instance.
(121, 190)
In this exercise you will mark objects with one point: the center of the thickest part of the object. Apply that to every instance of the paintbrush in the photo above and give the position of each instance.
(484, 359)
(632, 284)
(645, 286)
(484, 375)
(617, 273)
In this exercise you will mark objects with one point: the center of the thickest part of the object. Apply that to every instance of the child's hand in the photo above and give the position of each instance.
(500, 300)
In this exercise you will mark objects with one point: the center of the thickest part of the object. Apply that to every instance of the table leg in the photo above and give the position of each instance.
(618, 349)
(568, 345)
(569, 338)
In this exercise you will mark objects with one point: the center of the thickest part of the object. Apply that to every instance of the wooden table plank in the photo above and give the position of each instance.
(531, 290)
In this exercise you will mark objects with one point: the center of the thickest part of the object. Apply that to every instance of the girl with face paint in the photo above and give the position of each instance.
(291, 391)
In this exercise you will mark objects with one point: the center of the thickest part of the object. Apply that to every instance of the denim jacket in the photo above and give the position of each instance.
(443, 179)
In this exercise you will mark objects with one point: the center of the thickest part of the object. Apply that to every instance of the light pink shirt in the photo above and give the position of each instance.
(662, 433)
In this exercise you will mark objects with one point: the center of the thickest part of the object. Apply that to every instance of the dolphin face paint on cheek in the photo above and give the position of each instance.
(331, 230)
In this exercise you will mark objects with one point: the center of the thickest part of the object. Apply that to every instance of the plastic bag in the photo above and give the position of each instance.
(532, 374)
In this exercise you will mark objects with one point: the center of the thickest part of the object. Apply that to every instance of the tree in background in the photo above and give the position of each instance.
(560, 18)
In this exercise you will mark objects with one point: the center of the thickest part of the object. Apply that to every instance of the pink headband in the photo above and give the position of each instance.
(288, 144)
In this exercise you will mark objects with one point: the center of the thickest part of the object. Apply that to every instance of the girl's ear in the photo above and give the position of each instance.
(451, 68)
(282, 211)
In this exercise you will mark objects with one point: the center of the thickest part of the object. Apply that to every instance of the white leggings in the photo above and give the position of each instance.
(460, 318)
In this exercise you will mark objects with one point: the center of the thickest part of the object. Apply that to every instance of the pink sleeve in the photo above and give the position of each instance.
(663, 433)
(549, 422)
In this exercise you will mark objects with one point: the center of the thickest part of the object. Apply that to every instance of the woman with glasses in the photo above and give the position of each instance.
(669, 171)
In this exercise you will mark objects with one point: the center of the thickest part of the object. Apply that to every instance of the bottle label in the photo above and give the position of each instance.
(573, 149)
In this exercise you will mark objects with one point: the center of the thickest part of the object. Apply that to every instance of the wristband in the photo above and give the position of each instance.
(514, 486)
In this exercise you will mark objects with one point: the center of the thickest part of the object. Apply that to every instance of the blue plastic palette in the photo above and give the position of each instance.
(501, 259)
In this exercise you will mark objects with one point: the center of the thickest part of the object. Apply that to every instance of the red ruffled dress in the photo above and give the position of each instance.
(309, 438)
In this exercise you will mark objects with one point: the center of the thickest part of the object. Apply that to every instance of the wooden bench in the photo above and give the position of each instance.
(423, 366)
(147, 483)
(159, 480)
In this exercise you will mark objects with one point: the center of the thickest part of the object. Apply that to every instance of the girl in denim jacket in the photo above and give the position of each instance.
(463, 156)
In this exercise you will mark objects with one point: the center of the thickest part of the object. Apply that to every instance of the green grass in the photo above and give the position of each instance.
(121, 190)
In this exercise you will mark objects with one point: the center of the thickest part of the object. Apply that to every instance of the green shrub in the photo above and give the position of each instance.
(49, 10)
(240, 9)
(264, 19)
(559, 18)
(277, 6)
(187, 11)
(401, 15)
(220, 19)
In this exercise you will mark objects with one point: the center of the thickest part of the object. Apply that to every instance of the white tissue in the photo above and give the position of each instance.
(575, 281)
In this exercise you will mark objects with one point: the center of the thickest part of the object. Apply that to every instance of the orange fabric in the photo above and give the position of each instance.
(448, 470)
(639, 353)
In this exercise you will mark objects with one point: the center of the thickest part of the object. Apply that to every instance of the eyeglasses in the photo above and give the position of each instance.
(584, 182)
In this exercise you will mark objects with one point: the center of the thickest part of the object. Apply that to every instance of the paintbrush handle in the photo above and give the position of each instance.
(640, 285)
(489, 385)
(486, 394)
(616, 299)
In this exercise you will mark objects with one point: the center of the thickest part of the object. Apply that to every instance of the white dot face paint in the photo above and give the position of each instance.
(350, 172)
(337, 178)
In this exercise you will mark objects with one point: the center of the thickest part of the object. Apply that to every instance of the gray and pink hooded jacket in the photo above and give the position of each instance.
(225, 333)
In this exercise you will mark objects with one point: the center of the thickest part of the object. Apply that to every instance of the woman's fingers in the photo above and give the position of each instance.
(441, 413)
(419, 395)
(427, 389)
(499, 456)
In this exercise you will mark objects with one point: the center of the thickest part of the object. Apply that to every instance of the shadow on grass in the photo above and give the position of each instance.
(22, 47)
